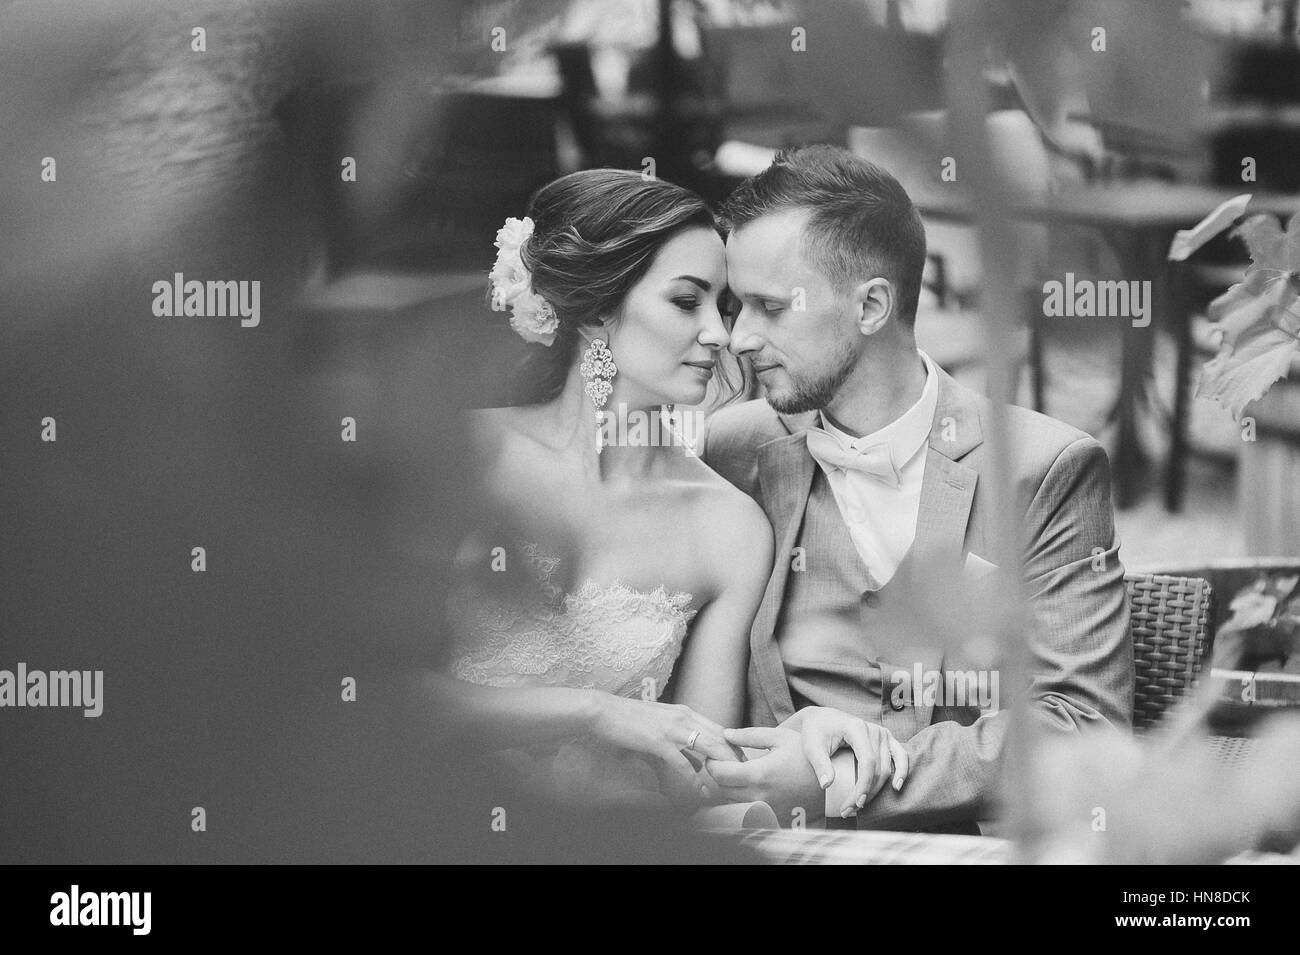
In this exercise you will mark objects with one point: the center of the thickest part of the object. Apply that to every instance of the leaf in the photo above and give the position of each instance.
(1251, 608)
(1187, 241)
(1258, 318)
(1237, 376)
(1251, 303)
(1270, 247)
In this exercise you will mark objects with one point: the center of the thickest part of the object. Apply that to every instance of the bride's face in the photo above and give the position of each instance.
(666, 340)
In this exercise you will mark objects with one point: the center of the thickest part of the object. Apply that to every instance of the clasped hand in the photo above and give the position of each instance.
(791, 763)
(785, 766)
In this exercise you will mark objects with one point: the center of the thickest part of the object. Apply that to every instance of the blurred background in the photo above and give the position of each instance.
(356, 160)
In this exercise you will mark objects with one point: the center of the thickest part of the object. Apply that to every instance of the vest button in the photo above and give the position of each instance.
(895, 699)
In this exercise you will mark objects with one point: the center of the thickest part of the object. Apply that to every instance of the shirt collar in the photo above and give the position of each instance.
(907, 433)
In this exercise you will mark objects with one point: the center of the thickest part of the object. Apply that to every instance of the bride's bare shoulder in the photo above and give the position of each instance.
(723, 506)
(734, 533)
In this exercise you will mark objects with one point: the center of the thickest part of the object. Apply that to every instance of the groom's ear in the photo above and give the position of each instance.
(874, 303)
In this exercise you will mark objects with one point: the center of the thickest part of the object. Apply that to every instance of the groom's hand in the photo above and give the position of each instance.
(778, 775)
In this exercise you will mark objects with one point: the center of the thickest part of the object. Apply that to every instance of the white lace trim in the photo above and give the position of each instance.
(608, 637)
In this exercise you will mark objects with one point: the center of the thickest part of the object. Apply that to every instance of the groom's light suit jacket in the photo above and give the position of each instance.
(1081, 659)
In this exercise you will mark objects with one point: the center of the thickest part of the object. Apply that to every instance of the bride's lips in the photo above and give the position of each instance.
(705, 366)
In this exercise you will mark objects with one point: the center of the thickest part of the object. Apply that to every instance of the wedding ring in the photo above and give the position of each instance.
(690, 743)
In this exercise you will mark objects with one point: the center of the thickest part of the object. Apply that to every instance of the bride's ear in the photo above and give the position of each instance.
(592, 331)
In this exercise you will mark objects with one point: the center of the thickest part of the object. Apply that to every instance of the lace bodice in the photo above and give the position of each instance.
(606, 637)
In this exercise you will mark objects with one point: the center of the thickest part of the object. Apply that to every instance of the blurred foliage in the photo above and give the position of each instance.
(325, 559)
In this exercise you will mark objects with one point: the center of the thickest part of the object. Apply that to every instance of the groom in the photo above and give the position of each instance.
(870, 463)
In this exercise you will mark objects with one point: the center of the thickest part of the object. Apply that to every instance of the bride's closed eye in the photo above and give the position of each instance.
(687, 303)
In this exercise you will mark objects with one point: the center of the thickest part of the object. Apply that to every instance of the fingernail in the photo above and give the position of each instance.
(862, 801)
(898, 783)
(848, 811)
(705, 790)
(825, 781)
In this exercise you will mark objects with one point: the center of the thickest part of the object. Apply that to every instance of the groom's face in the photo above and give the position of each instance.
(795, 328)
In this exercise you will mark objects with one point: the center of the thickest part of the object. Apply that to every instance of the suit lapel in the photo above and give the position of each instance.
(948, 485)
(947, 491)
(785, 475)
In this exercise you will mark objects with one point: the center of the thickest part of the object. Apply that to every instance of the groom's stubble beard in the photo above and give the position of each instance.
(816, 394)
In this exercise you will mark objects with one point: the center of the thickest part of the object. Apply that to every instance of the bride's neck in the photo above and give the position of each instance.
(576, 427)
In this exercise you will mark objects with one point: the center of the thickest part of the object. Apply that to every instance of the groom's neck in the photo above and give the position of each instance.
(883, 385)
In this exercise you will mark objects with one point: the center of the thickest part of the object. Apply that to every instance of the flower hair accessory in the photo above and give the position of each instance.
(512, 284)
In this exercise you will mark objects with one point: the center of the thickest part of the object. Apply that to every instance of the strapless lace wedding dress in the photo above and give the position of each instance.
(604, 637)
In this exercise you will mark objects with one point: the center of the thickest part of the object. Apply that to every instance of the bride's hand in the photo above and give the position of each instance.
(677, 737)
(824, 730)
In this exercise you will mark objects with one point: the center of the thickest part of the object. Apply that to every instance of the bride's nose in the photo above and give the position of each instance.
(714, 333)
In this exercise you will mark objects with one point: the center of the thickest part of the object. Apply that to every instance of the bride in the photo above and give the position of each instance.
(603, 606)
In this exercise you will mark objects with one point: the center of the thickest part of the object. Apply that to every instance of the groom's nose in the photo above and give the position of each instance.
(744, 333)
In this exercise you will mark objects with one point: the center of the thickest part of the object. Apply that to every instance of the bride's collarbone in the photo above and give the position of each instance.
(545, 478)
(574, 538)
(557, 522)
(644, 512)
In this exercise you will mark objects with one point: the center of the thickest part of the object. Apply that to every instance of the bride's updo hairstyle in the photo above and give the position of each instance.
(595, 235)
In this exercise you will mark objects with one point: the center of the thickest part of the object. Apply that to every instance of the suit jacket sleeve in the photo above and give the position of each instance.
(1081, 652)
(729, 447)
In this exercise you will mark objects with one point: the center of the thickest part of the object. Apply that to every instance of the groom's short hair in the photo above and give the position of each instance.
(862, 222)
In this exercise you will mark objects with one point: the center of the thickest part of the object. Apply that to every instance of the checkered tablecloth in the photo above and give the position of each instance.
(851, 847)
(872, 847)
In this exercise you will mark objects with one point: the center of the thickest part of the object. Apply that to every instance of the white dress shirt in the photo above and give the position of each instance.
(882, 519)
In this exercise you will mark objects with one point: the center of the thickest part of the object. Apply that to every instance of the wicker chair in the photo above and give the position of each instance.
(1169, 622)
(1227, 577)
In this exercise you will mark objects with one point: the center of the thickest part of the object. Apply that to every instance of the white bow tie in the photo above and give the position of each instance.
(831, 452)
